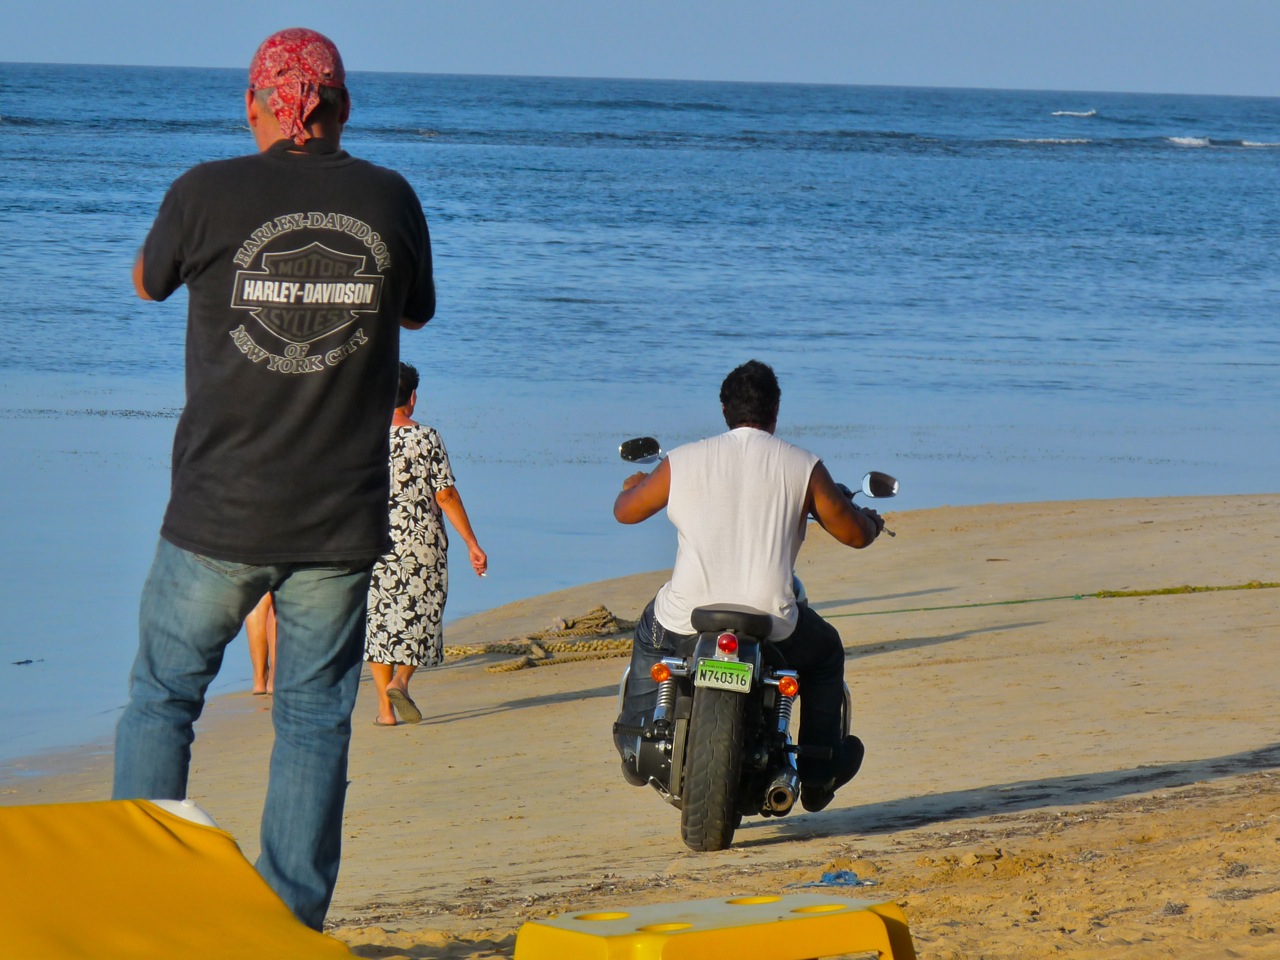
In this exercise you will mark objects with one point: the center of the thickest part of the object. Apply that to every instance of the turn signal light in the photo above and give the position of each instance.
(788, 686)
(660, 672)
(727, 643)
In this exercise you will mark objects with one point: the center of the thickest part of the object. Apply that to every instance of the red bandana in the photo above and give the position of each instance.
(295, 64)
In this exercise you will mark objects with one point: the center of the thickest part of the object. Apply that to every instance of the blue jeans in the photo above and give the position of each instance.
(192, 607)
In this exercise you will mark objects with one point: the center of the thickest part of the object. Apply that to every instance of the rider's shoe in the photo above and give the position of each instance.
(816, 796)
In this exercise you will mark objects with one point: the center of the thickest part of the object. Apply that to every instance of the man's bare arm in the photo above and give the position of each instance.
(138, 288)
(852, 525)
(643, 495)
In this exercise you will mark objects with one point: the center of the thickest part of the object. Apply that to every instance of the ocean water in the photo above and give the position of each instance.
(994, 295)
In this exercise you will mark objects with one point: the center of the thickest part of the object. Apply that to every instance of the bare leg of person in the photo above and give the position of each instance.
(400, 680)
(271, 644)
(259, 626)
(382, 674)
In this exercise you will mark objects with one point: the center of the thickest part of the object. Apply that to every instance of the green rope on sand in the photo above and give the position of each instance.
(1172, 591)
(1100, 595)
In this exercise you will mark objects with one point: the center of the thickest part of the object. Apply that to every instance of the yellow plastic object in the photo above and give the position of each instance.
(127, 879)
(793, 927)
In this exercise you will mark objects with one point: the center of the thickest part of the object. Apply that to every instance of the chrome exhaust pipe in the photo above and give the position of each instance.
(781, 795)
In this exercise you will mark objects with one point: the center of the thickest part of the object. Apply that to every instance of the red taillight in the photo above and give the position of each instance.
(788, 686)
(660, 672)
(727, 643)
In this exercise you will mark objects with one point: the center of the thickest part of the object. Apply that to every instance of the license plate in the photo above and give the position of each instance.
(732, 675)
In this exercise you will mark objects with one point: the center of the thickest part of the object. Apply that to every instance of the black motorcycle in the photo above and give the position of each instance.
(718, 744)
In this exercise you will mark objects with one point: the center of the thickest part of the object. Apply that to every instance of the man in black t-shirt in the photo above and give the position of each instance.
(301, 264)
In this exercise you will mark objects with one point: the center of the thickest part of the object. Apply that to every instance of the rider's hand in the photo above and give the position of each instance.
(634, 480)
(875, 518)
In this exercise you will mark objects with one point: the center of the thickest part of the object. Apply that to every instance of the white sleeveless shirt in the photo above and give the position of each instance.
(737, 502)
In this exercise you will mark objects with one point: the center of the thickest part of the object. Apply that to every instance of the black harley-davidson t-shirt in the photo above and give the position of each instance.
(299, 267)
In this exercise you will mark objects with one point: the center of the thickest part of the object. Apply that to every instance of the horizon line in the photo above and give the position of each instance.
(652, 79)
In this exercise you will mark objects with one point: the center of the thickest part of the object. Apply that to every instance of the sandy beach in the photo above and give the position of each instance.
(1050, 771)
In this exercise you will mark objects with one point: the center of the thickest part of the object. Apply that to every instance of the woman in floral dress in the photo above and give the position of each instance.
(410, 584)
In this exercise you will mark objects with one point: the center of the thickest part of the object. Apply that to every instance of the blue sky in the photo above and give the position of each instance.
(1172, 46)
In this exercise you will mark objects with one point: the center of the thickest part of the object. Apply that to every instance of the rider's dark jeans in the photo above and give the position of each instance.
(814, 650)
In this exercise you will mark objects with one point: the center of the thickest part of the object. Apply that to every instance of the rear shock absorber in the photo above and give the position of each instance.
(666, 699)
(785, 704)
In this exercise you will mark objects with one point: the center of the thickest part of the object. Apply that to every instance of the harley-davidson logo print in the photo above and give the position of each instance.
(304, 295)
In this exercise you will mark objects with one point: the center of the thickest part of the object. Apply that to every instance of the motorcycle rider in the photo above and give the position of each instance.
(740, 503)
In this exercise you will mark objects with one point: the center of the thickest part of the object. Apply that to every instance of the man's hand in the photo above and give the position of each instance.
(875, 518)
(633, 480)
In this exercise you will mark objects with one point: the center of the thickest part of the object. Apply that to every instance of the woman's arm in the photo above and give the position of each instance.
(451, 503)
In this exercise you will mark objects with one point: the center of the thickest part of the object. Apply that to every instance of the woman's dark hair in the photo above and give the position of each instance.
(750, 396)
(408, 384)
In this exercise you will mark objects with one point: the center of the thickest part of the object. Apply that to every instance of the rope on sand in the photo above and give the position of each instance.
(567, 640)
(622, 649)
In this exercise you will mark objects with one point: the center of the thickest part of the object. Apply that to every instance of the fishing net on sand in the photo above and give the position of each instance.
(596, 635)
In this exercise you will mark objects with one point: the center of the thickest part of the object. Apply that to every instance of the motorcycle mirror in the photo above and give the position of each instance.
(640, 450)
(879, 485)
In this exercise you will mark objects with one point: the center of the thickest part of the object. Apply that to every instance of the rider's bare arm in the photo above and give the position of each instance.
(850, 524)
(643, 495)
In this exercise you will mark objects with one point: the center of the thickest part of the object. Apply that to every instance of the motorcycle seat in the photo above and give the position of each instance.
(732, 616)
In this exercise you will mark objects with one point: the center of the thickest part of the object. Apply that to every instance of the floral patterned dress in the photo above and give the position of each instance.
(410, 584)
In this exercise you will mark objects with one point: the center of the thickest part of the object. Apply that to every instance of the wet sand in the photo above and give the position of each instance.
(1049, 772)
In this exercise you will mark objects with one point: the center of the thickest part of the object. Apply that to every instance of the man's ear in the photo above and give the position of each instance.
(345, 115)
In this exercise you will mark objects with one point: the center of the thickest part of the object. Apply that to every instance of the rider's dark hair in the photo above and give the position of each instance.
(750, 396)
(408, 384)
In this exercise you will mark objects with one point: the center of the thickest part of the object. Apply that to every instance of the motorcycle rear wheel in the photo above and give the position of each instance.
(713, 770)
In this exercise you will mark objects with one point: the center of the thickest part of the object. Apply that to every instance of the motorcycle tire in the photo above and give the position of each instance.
(713, 770)
(846, 712)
